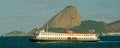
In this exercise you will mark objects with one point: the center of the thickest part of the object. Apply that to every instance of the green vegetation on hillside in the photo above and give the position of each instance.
(15, 33)
(89, 24)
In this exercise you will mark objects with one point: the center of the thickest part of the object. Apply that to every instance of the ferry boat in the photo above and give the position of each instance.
(68, 36)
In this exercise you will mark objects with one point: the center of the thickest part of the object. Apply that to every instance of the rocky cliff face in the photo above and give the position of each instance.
(67, 18)
(115, 26)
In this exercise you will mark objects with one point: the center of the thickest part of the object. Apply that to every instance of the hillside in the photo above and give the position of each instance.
(89, 24)
(67, 18)
(115, 26)
(15, 33)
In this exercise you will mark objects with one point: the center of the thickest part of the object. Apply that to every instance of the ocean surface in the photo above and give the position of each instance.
(23, 42)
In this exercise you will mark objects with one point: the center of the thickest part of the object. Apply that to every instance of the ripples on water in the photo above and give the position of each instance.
(23, 42)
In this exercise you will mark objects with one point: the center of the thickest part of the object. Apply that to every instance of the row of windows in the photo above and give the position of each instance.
(67, 34)
(86, 38)
(63, 38)
(52, 38)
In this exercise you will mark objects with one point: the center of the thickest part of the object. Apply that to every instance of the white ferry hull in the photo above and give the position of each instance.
(39, 40)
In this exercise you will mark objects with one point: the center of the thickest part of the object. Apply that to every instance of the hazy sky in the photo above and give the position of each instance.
(24, 15)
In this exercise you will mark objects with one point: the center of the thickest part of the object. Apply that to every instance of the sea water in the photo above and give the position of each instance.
(23, 42)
